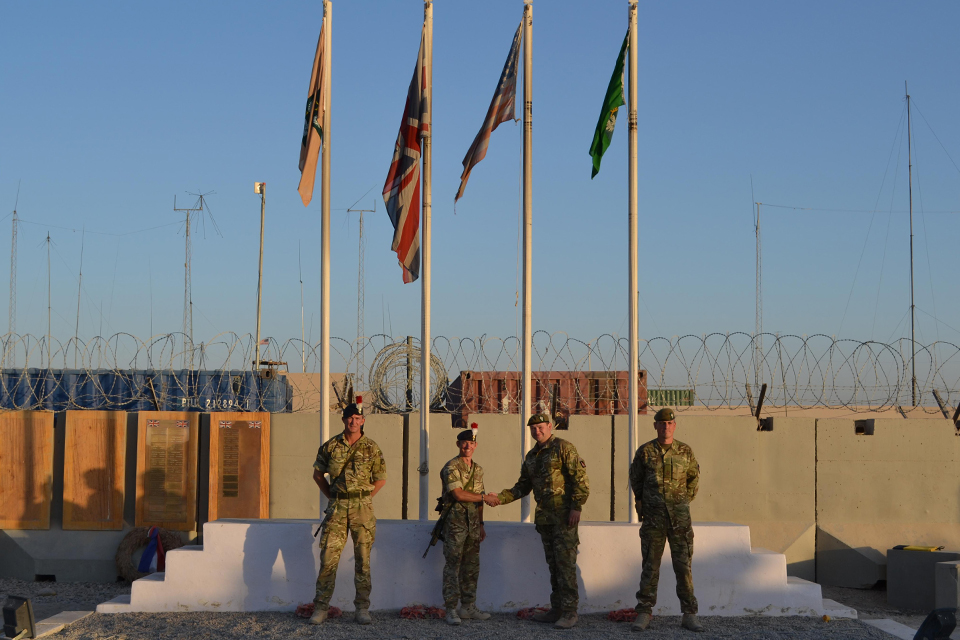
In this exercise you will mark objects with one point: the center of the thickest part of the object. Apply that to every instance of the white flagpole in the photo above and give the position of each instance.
(425, 270)
(634, 364)
(526, 401)
(325, 235)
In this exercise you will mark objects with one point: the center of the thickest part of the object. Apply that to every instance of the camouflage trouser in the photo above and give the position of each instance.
(560, 544)
(356, 516)
(461, 548)
(654, 533)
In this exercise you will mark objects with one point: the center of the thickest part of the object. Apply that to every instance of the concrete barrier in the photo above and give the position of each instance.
(894, 483)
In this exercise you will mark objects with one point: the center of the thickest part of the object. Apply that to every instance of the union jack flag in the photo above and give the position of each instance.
(226, 424)
(153, 423)
(254, 424)
(401, 191)
(502, 108)
(183, 424)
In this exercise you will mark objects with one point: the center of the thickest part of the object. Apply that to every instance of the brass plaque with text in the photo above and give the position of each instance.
(166, 480)
(239, 465)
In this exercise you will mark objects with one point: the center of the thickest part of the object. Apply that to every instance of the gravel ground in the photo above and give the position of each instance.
(387, 624)
(872, 603)
(70, 596)
(84, 596)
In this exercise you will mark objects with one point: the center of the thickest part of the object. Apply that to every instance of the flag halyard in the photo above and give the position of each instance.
(401, 191)
(502, 108)
(312, 138)
(612, 102)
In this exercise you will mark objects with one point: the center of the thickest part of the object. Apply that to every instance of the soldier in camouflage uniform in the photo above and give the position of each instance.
(357, 472)
(664, 477)
(557, 475)
(463, 530)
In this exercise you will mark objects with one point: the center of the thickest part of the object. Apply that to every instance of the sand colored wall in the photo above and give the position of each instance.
(294, 440)
(900, 485)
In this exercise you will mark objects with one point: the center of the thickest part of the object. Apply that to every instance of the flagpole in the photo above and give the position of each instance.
(263, 206)
(525, 408)
(632, 233)
(425, 341)
(325, 235)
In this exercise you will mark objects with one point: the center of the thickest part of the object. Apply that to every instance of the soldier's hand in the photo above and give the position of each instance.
(491, 500)
(483, 533)
(573, 519)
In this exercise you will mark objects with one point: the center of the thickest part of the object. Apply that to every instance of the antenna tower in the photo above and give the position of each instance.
(361, 296)
(13, 268)
(49, 283)
(758, 329)
(197, 208)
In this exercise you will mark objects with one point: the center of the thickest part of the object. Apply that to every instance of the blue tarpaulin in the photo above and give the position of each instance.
(142, 390)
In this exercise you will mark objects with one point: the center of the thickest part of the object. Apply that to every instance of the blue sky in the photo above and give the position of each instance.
(110, 109)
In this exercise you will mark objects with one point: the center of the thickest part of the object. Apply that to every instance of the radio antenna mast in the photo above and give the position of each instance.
(197, 208)
(361, 295)
(13, 268)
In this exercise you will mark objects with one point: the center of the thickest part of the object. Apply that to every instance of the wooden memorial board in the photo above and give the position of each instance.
(239, 465)
(167, 445)
(94, 459)
(26, 469)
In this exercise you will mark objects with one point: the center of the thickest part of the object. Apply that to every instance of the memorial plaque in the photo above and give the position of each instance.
(26, 469)
(167, 469)
(93, 470)
(239, 465)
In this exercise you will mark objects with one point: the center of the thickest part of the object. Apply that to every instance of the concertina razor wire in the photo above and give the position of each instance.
(713, 369)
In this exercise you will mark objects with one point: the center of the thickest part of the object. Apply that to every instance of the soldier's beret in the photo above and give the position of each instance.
(352, 410)
(538, 418)
(664, 415)
(468, 435)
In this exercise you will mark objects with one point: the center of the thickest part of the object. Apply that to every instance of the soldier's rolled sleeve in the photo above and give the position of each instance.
(576, 470)
(322, 463)
(451, 479)
(693, 477)
(636, 474)
(523, 487)
(379, 470)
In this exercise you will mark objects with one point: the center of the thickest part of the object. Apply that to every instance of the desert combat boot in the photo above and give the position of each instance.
(691, 622)
(550, 616)
(566, 621)
(319, 616)
(452, 618)
(363, 616)
(642, 622)
(470, 612)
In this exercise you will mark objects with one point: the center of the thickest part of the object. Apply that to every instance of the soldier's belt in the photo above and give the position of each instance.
(346, 495)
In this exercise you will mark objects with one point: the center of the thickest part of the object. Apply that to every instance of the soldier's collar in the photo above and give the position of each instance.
(546, 444)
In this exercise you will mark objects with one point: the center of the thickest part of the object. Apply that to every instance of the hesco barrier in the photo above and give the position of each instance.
(142, 390)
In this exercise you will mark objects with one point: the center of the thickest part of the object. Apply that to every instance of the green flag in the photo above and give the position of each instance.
(608, 115)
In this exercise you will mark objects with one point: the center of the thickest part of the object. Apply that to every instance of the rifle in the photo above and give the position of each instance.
(437, 532)
(326, 516)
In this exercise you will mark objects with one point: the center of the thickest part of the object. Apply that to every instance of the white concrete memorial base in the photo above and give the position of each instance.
(271, 565)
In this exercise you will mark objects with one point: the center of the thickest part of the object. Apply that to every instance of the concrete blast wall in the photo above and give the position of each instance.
(829, 496)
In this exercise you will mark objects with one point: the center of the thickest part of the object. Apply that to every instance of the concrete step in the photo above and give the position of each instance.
(271, 565)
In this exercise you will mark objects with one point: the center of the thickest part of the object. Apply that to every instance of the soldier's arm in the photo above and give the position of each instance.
(693, 477)
(319, 469)
(636, 480)
(523, 487)
(576, 469)
(378, 475)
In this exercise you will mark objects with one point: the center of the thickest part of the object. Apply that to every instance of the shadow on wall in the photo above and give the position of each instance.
(260, 553)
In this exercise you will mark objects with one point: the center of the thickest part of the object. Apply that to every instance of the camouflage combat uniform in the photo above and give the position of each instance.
(461, 534)
(664, 483)
(350, 509)
(558, 477)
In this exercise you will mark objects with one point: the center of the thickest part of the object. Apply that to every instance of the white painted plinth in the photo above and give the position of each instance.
(271, 565)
